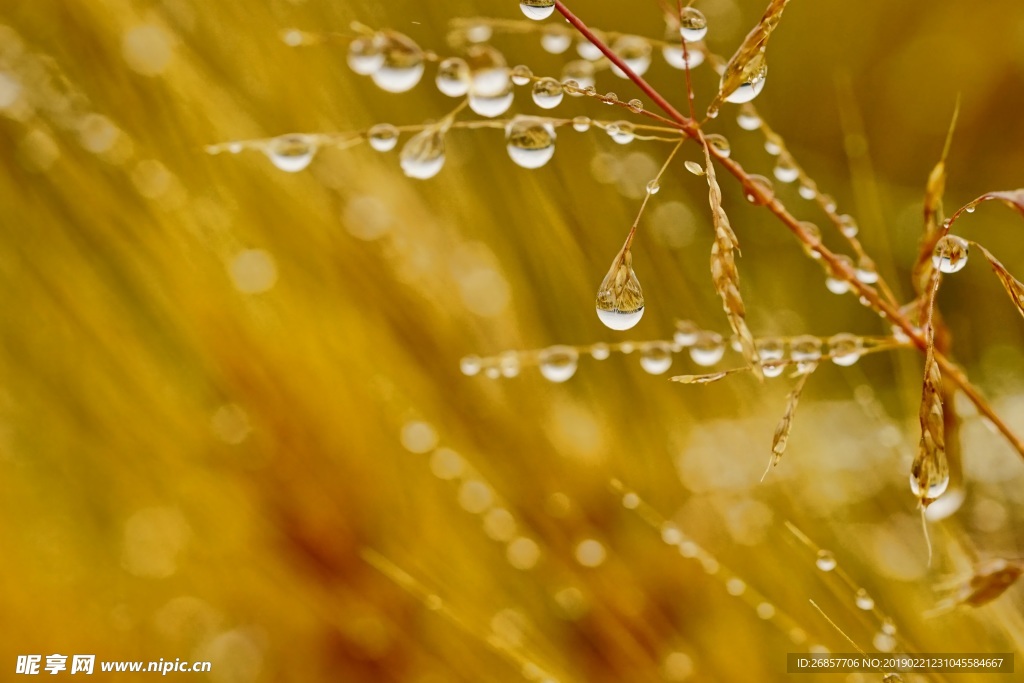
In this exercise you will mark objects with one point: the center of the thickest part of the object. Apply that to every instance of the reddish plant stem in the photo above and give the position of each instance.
(870, 294)
(687, 124)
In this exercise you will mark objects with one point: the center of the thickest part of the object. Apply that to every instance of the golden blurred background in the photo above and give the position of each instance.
(234, 425)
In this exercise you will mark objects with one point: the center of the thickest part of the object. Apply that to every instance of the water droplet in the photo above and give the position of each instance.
(364, 55)
(630, 500)
(531, 141)
(620, 300)
(581, 72)
(950, 255)
(866, 271)
(558, 363)
(422, 155)
(806, 191)
(805, 350)
(522, 553)
(591, 553)
(747, 119)
(547, 93)
(492, 372)
(694, 168)
(588, 51)
(382, 137)
(636, 106)
(656, 357)
(555, 40)
(622, 132)
(938, 482)
(479, 33)
(773, 369)
(720, 144)
(470, 365)
(653, 186)
(600, 351)
(735, 586)
(708, 349)
(785, 171)
(760, 190)
(863, 600)
(754, 74)
(635, 52)
(828, 203)
(814, 233)
(848, 225)
(773, 145)
(491, 106)
(884, 642)
(610, 98)
(845, 349)
(521, 74)
(508, 364)
(291, 153)
(453, 77)
(537, 10)
(836, 281)
(693, 26)
(581, 124)
(403, 64)
(771, 349)
(686, 333)
(825, 561)
(670, 533)
(765, 610)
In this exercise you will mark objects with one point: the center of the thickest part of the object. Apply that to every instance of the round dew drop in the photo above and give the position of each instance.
(383, 137)
(845, 349)
(364, 55)
(753, 81)
(748, 120)
(558, 363)
(619, 320)
(825, 561)
(785, 171)
(936, 487)
(581, 124)
(693, 26)
(491, 106)
(708, 349)
(422, 156)
(635, 52)
(950, 255)
(531, 141)
(653, 186)
(547, 93)
(863, 600)
(656, 358)
(291, 153)
(720, 144)
(555, 41)
(538, 10)
(452, 77)
(403, 64)
(521, 74)
(622, 132)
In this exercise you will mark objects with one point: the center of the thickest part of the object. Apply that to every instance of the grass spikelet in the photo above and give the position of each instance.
(781, 438)
(747, 67)
(1013, 286)
(724, 274)
(929, 473)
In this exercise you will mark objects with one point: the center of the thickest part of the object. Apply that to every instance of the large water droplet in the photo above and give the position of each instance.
(719, 143)
(754, 74)
(453, 77)
(693, 26)
(805, 350)
(403, 64)
(845, 349)
(677, 58)
(531, 141)
(470, 365)
(291, 153)
(491, 106)
(622, 132)
(537, 10)
(422, 156)
(558, 363)
(937, 482)
(620, 300)
(365, 55)
(581, 124)
(588, 51)
(656, 357)
(786, 171)
(382, 137)
(950, 255)
(547, 93)
(708, 349)
(521, 74)
(825, 561)
(555, 40)
(863, 600)
(635, 52)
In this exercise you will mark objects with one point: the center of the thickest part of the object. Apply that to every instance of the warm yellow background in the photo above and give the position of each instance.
(135, 529)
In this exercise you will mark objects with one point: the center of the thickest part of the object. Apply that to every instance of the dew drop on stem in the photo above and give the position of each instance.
(538, 10)
(620, 300)
(291, 153)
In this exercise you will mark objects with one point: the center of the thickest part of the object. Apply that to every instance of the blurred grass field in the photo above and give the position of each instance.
(221, 385)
